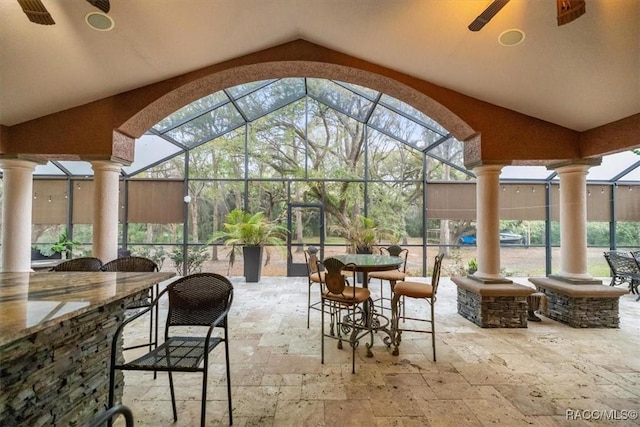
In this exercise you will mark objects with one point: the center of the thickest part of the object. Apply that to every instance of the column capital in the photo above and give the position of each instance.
(6, 163)
(575, 165)
(106, 166)
(487, 169)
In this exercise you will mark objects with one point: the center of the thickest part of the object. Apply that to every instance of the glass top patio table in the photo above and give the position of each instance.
(370, 262)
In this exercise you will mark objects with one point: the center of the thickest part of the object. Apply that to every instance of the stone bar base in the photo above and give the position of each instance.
(497, 305)
(48, 378)
(580, 305)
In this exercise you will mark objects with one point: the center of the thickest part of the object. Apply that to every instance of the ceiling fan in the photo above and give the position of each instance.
(568, 10)
(37, 13)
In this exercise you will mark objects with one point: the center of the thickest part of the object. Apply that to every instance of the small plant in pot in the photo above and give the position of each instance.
(62, 246)
(472, 265)
(251, 233)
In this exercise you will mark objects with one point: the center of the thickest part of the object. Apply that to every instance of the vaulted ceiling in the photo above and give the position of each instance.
(580, 75)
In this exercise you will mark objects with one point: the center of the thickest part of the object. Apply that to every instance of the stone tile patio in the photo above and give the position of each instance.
(506, 377)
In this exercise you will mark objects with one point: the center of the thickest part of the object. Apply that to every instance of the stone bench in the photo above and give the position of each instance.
(580, 305)
(493, 305)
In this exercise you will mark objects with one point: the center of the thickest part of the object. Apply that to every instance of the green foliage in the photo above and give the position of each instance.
(156, 254)
(196, 257)
(472, 265)
(455, 266)
(63, 244)
(363, 234)
(244, 229)
(628, 233)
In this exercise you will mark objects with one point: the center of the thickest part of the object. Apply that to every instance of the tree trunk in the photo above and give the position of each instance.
(214, 248)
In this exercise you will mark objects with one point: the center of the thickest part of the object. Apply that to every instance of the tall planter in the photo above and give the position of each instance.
(252, 263)
(36, 255)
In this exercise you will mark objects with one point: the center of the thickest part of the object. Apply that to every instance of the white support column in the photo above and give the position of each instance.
(16, 214)
(105, 207)
(573, 221)
(488, 222)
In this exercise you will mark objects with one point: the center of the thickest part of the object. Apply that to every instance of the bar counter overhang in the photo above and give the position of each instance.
(55, 337)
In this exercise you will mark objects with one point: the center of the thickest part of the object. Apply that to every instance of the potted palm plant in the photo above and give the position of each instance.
(362, 234)
(251, 233)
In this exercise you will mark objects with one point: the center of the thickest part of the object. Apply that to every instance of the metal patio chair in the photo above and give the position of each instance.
(337, 297)
(138, 265)
(418, 290)
(201, 303)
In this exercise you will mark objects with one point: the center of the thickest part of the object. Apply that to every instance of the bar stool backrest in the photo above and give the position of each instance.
(198, 300)
(395, 250)
(333, 278)
(435, 276)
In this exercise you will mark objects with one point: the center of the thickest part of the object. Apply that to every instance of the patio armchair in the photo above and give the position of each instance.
(624, 268)
(110, 414)
(636, 256)
(140, 265)
(196, 324)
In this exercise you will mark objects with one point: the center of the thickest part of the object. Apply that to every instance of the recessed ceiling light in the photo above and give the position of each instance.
(511, 37)
(99, 21)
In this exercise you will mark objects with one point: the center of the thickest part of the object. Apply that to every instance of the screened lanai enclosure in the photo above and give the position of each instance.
(314, 155)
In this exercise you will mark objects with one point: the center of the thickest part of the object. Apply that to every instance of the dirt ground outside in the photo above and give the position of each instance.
(514, 260)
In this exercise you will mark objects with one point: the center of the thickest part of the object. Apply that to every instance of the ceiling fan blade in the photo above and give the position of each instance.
(36, 12)
(570, 10)
(488, 13)
(103, 5)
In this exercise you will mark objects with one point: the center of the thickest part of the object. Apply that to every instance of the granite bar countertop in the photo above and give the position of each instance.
(31, 302)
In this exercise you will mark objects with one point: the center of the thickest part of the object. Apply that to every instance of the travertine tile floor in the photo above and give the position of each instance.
(504, 377)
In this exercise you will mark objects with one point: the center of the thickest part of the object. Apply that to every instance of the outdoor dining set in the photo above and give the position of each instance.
(353, 312)
(201, 302)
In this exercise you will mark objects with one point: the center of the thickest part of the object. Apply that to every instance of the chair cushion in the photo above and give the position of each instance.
(388, 275)
(347, 296)
(317, 277)
(413, 289)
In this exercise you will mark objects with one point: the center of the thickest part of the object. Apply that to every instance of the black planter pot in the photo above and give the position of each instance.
(362, 250)
(252, 263)
(36, 255)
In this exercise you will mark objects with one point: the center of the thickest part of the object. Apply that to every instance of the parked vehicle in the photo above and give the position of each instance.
(510, 238)
(505, 239)
(469, 239)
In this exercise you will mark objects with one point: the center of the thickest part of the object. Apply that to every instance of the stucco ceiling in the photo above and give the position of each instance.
(580, 75)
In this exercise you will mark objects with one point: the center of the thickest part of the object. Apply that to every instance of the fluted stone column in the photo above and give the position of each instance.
(105, 204)
(16, 214)
(488, 222)
(573, 221)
